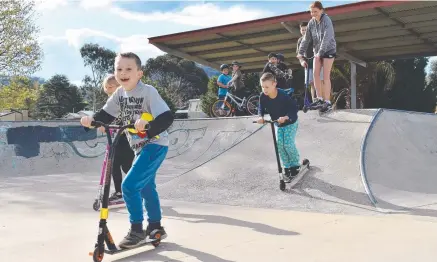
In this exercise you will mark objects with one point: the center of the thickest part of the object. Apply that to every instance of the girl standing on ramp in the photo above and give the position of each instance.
(283, 109)
(320, 31)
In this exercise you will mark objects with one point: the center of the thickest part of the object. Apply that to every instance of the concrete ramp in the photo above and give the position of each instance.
(247, 174)
(399, 161)
(61, 147)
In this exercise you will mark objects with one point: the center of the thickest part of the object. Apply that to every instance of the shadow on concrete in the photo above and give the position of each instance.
(354, 199)
(166, 246)
(211, 219)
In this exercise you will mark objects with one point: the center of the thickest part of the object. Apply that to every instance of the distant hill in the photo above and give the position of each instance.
(210, 72)
(4, 80)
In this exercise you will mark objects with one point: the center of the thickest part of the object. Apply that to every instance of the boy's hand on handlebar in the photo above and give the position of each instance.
(260, 121)
(86, 121)
(303, 63)
(140, 125)
(282, 119)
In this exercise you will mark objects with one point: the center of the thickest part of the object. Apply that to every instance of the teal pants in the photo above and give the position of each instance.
(285, 137)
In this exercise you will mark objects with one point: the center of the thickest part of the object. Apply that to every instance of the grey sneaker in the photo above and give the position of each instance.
(326, 107)
(317, 102)
(116, 196)
(133, 239)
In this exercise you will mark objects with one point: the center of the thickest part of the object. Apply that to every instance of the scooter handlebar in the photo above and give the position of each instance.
(271, 121)
(98, 124)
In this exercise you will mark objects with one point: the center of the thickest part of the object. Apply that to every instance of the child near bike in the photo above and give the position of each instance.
(124, 155)
(130, 101)
(223, 81)
(272, 67)
(283, 109)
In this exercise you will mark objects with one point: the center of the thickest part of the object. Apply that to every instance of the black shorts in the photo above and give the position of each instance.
(330, 55)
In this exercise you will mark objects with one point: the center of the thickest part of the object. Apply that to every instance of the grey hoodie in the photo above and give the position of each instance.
(322, 35)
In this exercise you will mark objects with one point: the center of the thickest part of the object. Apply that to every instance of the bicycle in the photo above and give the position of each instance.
(222, 108)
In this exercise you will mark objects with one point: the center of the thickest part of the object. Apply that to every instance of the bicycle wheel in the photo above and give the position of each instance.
(252, 104)
(217, 111)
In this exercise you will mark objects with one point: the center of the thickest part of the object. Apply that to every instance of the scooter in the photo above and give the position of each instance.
(104, 236)
(307, 105)
(99, 197)
(304, 167)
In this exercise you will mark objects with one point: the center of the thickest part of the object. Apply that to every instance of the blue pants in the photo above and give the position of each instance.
(139, 184)
(285, 137)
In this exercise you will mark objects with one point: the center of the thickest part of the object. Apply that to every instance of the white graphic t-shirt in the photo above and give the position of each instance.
(129, 105)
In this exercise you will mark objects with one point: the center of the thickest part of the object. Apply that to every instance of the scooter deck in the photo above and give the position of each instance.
(304, 168)
(148, 241)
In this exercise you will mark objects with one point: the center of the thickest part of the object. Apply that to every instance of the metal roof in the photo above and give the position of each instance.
(365, 31)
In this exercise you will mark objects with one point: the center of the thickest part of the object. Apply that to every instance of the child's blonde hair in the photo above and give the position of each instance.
(108, 78)
(268, 77)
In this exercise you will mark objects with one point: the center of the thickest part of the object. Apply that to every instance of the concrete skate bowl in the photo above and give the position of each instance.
(61, 147)
(399, 164)
(246, 175)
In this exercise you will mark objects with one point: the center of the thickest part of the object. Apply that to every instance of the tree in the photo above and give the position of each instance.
(180, 78)
(165, 96)
(409, 92)
(57, 98)
(431, 85)
(373, 83)
(21, 93)
(20, 53)
(101, 62)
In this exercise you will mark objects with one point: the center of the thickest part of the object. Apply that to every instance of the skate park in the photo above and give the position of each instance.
(370, 194)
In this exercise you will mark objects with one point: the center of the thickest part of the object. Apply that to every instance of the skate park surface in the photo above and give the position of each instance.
(370, 194)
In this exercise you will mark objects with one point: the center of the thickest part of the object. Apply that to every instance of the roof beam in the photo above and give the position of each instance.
(242, 47)
(243, 44)
(402, 25)
(178, 53)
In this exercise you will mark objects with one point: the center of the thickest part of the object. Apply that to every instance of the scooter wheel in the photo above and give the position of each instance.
(97, 257)
(306, 162)
(157, 242)
(282, 185)
(305, 109)
(96, 205)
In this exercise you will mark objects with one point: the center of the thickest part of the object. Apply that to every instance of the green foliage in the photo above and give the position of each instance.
(57, 98)
(180, 78)
(162, 92)
(101, 62)
(431, 86)
(21, 93)
(20, 53)
(210, 97)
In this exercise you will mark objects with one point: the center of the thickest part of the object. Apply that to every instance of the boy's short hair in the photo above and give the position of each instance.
(272, 55)
(302, 24)
(108, 78)
(268, 77)
(131, 56)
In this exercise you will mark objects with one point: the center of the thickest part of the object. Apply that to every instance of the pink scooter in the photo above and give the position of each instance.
(98, 201)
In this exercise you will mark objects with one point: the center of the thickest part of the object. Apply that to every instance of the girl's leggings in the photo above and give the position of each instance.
(286, 145)
(123, 158)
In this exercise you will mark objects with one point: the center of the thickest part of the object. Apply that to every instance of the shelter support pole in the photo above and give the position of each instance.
(353, 85)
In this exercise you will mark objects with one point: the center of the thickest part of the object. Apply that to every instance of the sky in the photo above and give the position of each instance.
(125, 25)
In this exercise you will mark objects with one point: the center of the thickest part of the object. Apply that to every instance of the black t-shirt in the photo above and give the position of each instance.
(281, 105)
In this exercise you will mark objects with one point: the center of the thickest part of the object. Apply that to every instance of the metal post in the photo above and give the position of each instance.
(353, 85)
